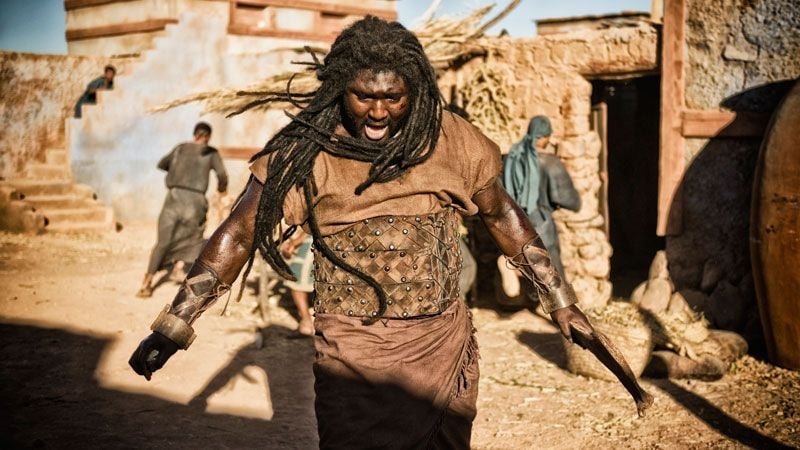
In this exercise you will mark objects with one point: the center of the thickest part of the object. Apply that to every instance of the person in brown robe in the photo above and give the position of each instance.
(374, 169)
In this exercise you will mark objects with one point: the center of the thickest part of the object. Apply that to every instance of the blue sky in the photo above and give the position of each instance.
(38, 25)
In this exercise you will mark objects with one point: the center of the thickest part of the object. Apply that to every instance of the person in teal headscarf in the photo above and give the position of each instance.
(538, 181)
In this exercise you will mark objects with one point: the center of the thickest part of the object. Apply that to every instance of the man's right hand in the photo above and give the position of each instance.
(151, 355)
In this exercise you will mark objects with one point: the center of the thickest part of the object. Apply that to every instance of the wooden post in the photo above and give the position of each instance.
(655, 11)
(671, 157)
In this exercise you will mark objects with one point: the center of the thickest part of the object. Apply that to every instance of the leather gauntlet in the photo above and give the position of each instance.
(201, 288)
(535, 265)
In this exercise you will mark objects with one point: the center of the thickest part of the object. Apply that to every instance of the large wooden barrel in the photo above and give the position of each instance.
(775, 233)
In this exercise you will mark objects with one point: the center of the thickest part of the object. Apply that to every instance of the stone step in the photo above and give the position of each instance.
(67, 201)
(81, 227)
(100, 214)
(29, 188)
(56, 156)
(39, 171)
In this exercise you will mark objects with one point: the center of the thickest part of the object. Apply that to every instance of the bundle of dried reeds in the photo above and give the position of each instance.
(448, 42)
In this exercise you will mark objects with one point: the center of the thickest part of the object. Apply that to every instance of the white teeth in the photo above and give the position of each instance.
(375, 134)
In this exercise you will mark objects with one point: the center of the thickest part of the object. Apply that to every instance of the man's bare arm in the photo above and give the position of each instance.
(514, 234)
(221, 259)
(507, 223)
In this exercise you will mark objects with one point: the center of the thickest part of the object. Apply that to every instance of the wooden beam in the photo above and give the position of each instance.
(69, 5)
(671, 157)
(120, 29)
(325, 7)
(247, 30)
(721, 124)
(240, 153)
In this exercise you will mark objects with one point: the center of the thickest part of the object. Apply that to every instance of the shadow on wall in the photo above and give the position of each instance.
(710, 260)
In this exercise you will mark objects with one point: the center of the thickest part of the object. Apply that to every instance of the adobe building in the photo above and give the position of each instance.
(659, 118)
(163, 50)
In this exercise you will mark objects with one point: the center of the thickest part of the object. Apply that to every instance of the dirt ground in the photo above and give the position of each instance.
(69, 321)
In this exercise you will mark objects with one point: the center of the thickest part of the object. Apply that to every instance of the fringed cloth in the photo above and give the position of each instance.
(396, 384)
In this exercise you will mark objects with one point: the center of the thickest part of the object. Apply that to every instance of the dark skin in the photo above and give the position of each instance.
(376, 105)
(378, 101)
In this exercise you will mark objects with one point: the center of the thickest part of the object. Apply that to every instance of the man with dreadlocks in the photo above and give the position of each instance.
(376, 171)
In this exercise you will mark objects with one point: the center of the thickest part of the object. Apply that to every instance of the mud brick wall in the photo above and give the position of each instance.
(37, 93)
(549, 76)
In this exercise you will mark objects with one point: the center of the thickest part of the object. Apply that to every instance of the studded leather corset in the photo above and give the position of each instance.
(416, 260)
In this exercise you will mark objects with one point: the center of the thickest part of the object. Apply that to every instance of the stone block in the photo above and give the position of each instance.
(584, 167)
(726, 307)
(638, 293)
(678, 306)
(659, 266)
(738, 53)
(597, 267)
(725, 345)
(589, 291)
(592, 250)
(695, 299)
(656, 295)
(575, 125)
(712, 273)
(572, 147)
(585, 222)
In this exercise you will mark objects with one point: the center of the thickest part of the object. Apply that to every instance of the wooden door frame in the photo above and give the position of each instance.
(672, 144)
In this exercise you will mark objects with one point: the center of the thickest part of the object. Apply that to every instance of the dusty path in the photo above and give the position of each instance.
(69, 320)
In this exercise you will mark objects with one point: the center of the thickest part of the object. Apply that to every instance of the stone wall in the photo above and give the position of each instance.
(736, 61)
(38, 93)
(549, 76)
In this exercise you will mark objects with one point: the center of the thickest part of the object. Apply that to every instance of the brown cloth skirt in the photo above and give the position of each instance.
(396, 384)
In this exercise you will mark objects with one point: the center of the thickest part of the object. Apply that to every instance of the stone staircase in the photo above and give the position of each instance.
(51, 200)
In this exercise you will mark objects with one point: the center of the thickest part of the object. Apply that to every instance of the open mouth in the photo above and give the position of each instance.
(376, 132)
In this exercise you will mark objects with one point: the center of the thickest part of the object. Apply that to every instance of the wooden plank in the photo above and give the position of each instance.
(775, 234)
(600, 126)
(711, 124)
(120, 29)
(671, 160)
(239, 153)
(247, 30)
(326, 7)
(69, 5)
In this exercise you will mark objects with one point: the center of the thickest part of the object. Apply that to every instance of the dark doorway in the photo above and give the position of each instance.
(629, 167)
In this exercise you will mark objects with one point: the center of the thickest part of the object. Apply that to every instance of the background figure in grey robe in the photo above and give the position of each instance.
(555, 191)
(538, 181)
(183, 216)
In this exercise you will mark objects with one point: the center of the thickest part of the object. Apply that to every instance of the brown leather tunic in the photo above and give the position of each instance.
(463, 163)
(396, 383)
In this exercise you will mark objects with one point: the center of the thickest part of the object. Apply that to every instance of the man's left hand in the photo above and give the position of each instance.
(571, 314)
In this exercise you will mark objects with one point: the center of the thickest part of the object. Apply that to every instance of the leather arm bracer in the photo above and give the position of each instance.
(201, 288)
(534, 263)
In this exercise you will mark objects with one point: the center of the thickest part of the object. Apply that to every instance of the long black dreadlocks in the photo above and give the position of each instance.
(369, 44)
